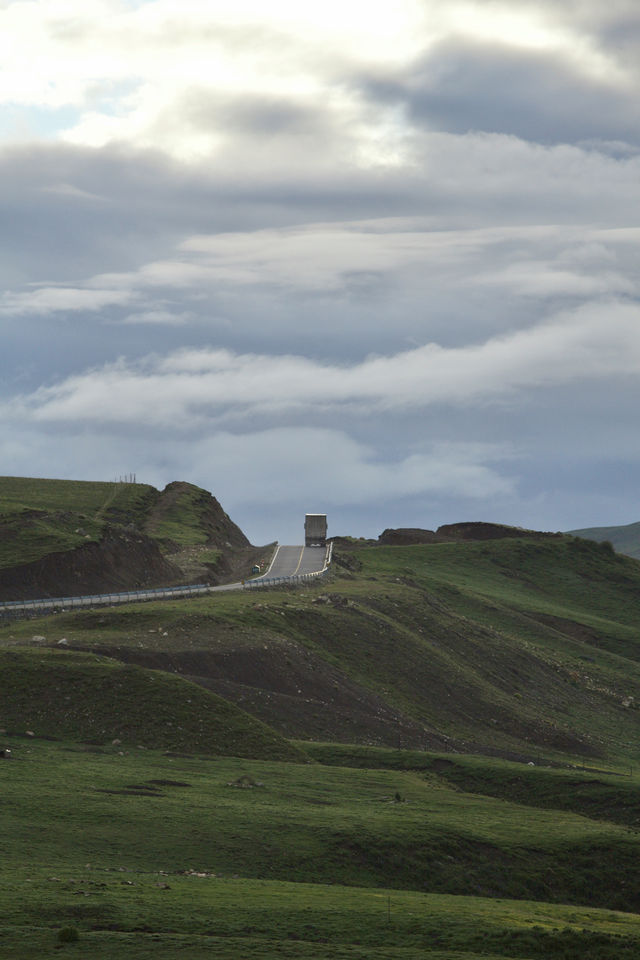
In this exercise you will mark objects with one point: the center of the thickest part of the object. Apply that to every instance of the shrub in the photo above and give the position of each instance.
(68, 935)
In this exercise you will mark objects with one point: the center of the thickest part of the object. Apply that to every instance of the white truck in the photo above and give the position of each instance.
(315, 529)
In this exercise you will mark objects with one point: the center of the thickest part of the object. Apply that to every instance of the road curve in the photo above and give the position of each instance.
(288, 564)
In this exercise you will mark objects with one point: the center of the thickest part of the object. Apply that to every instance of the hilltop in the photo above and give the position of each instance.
(624, 539)
(61, 537)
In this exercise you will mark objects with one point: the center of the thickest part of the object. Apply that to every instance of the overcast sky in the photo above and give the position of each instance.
(374, 259)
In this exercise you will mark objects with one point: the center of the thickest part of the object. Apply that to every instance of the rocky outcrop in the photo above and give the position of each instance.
(474, 530)
(406, 536)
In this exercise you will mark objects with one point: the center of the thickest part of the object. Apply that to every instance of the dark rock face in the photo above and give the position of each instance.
(405, 536)
(475, 530)
(120, 561)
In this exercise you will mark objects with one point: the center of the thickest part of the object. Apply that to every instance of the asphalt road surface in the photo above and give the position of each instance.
(294, 561)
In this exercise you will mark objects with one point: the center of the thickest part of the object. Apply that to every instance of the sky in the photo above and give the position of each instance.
(377, 260)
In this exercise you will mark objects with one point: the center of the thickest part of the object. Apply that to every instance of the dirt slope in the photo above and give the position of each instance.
(120, 561)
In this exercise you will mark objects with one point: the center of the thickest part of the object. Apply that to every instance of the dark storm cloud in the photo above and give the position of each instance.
(257, 115)
(459, 87)
(71, 211)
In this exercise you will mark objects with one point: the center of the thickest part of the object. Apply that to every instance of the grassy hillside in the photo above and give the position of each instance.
(517, 648)
(39, 517)
(624, 539)
(464, 781)
(140, 854)
(60, 693)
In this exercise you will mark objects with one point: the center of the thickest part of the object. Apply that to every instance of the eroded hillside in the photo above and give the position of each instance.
(515, 647)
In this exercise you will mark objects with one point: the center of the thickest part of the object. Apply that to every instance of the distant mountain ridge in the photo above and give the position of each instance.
(624, 539)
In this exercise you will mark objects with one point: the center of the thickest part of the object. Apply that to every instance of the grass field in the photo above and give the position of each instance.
(140, 851)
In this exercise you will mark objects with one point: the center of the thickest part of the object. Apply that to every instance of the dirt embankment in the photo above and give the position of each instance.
(293, 690)
(407, 536)
(120, 561)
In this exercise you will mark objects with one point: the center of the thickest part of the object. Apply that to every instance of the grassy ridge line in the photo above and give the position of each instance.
(625, 539)
(566, 574)
(180, 519)
(92, 498)
(43, 517)
(59, 693)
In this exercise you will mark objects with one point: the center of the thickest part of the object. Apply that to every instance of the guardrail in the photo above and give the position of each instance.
(278, 581)
(11, 608)
(16, 609)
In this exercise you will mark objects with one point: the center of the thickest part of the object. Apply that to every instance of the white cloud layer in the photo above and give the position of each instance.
(367, 255)
(189, 388)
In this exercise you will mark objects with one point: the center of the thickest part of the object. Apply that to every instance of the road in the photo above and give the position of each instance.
(287, 562)
(295, 561)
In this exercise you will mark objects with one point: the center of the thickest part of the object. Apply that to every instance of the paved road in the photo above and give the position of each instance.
(295, 561)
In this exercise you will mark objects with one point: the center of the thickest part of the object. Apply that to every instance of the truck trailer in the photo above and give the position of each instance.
(315, 529)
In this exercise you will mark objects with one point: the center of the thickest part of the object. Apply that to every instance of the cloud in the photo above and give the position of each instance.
(287, 465)
(370, 230)
(536, 95)
(128, 72)
(330, 467)
(161, 317)
(53, 299)
(189, 388)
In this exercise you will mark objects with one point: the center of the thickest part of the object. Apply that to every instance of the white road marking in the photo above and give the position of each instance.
(272, 562)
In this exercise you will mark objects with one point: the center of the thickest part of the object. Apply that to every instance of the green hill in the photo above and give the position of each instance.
(60, 537)
(432, 753)
(511, 647)
(624, 539)
(139, 854)
(63, 694)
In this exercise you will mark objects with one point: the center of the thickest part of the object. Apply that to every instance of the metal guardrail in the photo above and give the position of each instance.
(14, 609)
(10, 608)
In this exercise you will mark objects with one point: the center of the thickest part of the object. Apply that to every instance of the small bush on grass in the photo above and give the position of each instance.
(68, 935)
